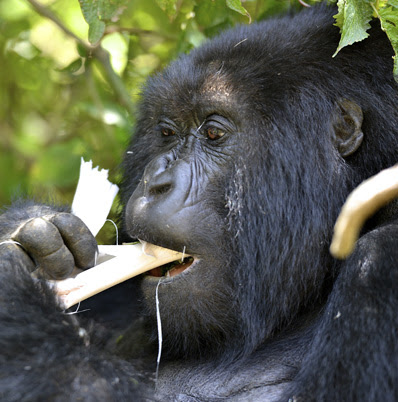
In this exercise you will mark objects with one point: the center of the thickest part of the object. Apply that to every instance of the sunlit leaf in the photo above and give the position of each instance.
(116, 45)
(193, 35)
(393, 3)
(96, 31)
(353, 20)
(168, 6)
(23, 48)
(73, 67)
(89, 10)
(210, 12)
(97, 13)
(389, 23)
(236, 5)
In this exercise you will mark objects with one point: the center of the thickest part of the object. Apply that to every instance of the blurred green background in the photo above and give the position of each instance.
(58, 100)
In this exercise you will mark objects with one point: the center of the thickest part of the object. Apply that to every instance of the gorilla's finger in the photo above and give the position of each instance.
(58, 265)
(43, 242)
(77, 238)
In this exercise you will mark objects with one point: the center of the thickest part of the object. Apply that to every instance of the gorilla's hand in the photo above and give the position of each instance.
(53, 243)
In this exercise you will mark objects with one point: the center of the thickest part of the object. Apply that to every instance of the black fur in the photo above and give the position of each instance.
(266, 313)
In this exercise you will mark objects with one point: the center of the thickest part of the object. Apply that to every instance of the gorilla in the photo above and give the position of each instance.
(243, 154)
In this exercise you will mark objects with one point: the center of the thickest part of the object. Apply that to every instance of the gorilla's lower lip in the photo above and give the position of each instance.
(172, 269)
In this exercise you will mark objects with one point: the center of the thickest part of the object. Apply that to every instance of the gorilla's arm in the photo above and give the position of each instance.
(45, 353)
(354, 354)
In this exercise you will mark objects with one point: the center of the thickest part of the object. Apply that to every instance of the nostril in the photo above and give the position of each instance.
(159, 177)
(159, 189)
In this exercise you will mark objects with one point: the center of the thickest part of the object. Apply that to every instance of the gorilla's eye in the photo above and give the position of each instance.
(214, 133)
(167, 131)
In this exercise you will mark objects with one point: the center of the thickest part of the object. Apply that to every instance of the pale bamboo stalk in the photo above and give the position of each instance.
(120, 263)
(363, 202)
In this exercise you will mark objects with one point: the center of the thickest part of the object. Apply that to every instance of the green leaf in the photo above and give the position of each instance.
(81, 50)
(389, 23)
(209, 13)
(168, 6)
(236, 5)
(193, 34)
(353, 20)
(106, 9)
(72, 67)
(393, 3)
(89, 10)
(96, 31)
(97, 13)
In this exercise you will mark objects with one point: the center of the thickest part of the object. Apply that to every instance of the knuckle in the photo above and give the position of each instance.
(69, 223)
(39, 237)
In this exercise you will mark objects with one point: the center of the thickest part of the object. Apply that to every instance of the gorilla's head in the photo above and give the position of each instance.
(242, 155)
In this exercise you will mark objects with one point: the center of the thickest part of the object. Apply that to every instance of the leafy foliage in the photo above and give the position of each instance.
(72, 72)
(354, 18)
(97, 13)
(236, 5)
(389, 22)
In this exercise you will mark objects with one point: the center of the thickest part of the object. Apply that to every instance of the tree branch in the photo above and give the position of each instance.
(97, 52)
(114, 80)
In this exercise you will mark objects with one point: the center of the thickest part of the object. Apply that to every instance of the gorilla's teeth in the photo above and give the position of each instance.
(180, 268)
(172, 269)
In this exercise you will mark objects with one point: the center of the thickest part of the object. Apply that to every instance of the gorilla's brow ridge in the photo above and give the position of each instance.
(217, 86)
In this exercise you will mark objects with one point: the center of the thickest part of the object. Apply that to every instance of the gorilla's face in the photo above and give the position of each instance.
(180, 203)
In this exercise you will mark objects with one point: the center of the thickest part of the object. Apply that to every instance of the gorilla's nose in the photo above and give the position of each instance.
(139, 205)
(159, 177)
(158, 185)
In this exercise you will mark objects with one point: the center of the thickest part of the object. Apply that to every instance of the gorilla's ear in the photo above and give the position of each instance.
(347, 122)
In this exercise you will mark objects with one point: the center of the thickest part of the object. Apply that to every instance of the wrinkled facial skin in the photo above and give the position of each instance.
(180, 204)
(175, 193)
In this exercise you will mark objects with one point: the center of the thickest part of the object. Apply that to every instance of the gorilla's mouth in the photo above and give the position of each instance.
(172, 269)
